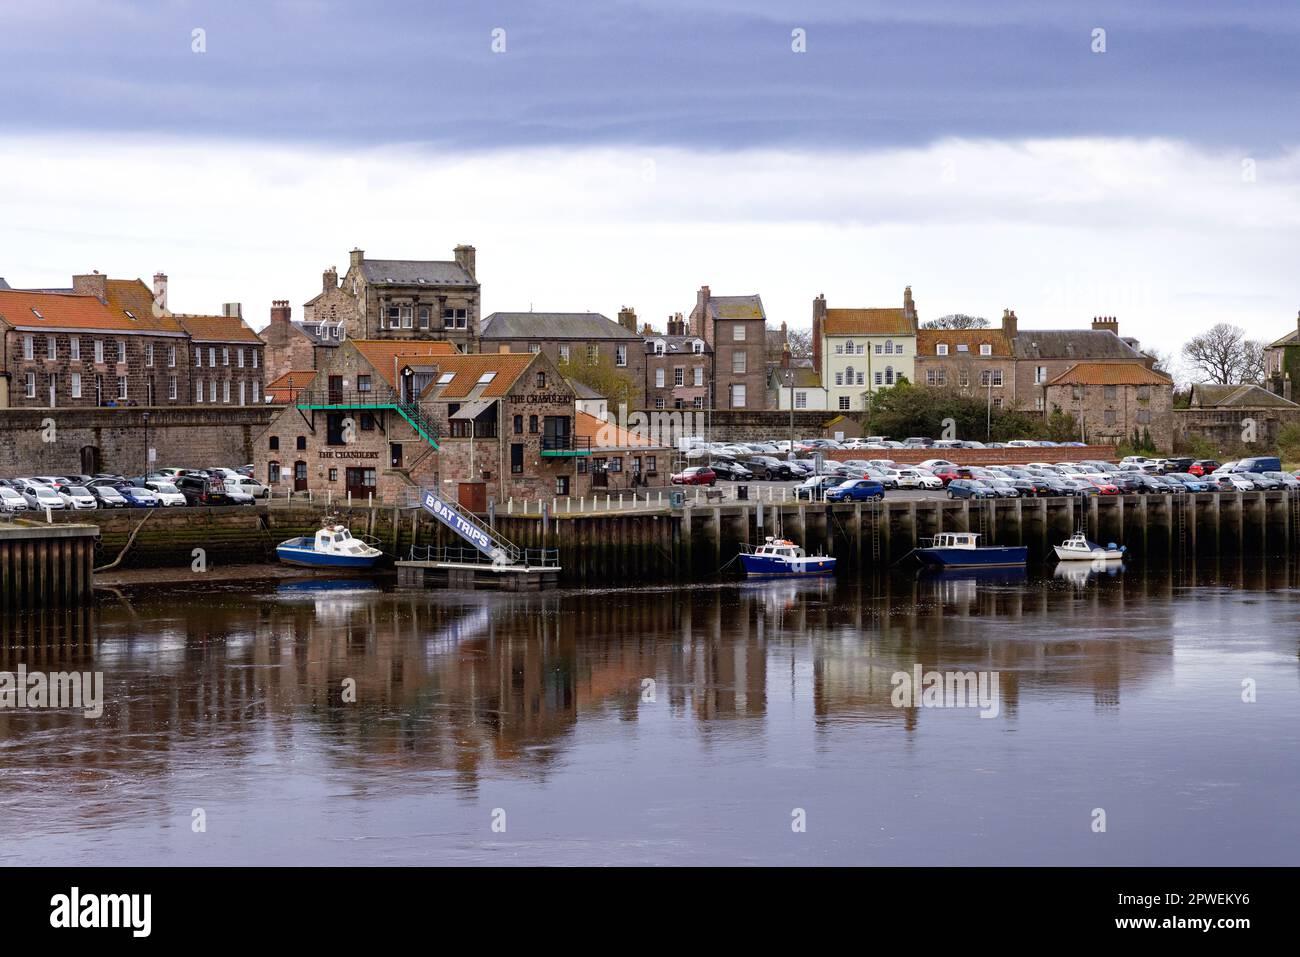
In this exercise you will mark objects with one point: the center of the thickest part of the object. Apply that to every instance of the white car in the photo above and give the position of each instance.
(938, 464)
(168, 494)
(41, 496)
(915, 478)
(11, 501)
(77, 496)
(251, 486)
(1238, 482)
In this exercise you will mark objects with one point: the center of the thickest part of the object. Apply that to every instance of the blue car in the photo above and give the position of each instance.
(856, 490)
(969, 488)
(137, 497)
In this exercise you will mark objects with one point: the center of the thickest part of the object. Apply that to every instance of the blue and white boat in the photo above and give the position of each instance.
(962, 550)
(332, 547)
(782, 558)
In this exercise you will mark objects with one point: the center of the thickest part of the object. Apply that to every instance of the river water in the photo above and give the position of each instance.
(350, 723)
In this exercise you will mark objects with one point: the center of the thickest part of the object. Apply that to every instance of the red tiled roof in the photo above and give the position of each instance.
(285, 387)
(928, 339)
(47, 310)
(132, 297)
(468, 369)
(386, 354)
(217, 329)
(866, 322)
(607, 435)
(1110, 373)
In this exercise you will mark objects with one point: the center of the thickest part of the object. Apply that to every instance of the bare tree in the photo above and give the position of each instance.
(800, 343)
(1224, 355)
(956, 321)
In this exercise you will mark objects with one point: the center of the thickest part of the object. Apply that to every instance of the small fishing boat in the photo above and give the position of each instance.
(332, 547)
(1078, 548)
(782, 558)
(962, 550)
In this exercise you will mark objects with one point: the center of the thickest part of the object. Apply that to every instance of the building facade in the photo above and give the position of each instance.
(977, 362)
(678, 368)
(735, 329)
(227, 365)
(857, 352)
(1043, 354)
(573, 339)
(1115, 401)
(401, 299)
(288, 346)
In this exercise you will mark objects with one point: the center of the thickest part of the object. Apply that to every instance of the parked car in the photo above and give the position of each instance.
(695, 475)
(1286, 478)
(200, 490)
(969, 488)
(77, 496)
(137, 496)
(917, 478)
(11, 501)
(722, 468)
(1001, 487)
(40, 496)
(766, 467)
(106, 496)
(1193, 483)
(168, 494)
(1262, 481)
(1232, 482)
(815, 488)
(237, 495)
(1202, 467)
(856, 490)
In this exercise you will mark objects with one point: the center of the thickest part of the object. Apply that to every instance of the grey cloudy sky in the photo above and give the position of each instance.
(981, 151)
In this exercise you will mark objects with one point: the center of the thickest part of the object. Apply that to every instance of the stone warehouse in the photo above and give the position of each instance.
(1114, 401)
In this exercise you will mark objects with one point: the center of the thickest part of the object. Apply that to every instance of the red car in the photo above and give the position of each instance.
(699, 475)
(946, 474)
(1202, 467)
(1102, 486)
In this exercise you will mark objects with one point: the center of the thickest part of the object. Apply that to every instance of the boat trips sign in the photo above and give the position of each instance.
(459, 524)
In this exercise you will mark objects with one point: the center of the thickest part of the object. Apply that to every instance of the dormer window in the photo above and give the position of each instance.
(986, 349)
(698, 347)
(659, 348)
(941, 349)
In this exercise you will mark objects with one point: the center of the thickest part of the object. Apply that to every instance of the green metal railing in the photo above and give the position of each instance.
(341, 400)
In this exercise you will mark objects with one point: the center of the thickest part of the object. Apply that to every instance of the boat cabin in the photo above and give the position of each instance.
(780, 548)
(956, 540)
(337, 540)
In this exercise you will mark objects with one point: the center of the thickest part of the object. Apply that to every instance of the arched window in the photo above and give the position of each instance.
(848, 347)
(889, 375)
(848, 375)
(889, 347)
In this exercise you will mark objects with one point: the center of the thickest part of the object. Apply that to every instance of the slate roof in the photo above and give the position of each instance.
(736, 307)
(675, 345)
(312, 330)
(866, 322)
(415, 272)
(583, 391)
(3, 284)
(1078, 344)
(553, 325)
(1110, 373)
(1211, 396)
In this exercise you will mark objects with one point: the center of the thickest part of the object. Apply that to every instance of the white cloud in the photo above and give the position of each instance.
(1167, 237)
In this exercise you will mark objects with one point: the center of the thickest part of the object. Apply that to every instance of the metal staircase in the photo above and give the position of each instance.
(338, 400)
(468, 526)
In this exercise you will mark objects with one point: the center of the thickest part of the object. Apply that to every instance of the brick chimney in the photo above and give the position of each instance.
(232, 310)
(91, 284)
(1106, 324)
(1010, 324)
(785, 355)
(627, 318)
(909, 307)
(819, 317)
(329, 279)
(160, 290)
(465, 259)
(702, 328)
(280, 311)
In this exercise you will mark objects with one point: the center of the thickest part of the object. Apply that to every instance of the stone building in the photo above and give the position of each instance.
(383, 417)
(977, 362)
(289, 346)
(1282, 363)
(678, 368)
(401, 299)
(226, 366)
(857, 352)
(103, 343)
(1114, 400)
(1043, 354)
(572, 338)
(735, 328)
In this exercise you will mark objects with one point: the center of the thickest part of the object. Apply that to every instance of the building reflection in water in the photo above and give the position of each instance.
(461, 684)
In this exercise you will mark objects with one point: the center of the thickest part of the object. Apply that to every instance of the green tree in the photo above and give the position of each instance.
(605, 379)
(907, 409)
(1062, 426)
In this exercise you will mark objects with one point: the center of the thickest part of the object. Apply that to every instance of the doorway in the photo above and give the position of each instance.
(300, 476)
(360, 482)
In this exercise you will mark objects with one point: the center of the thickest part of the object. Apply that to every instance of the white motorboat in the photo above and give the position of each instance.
(1078, 548)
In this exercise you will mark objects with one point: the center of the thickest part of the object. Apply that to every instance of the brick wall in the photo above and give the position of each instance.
(53, 441)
